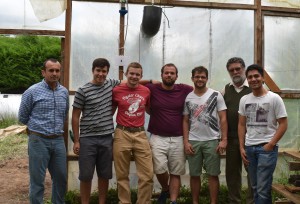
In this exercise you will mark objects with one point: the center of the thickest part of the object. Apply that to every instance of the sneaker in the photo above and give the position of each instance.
(162, 199)
(173, 202)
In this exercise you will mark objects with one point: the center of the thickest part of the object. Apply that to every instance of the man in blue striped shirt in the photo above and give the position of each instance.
(93, 102)
(44, 108)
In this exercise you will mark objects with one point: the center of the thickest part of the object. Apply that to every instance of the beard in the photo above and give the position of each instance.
(238, 79)
(168, 83)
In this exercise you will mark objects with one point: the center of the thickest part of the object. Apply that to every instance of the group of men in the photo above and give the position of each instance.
(194, 123)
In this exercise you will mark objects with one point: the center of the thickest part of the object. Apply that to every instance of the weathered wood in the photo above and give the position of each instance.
(283, 202)
(31, 32)
(294, 166)
(292, 189)
(279, 188)
(293, 154)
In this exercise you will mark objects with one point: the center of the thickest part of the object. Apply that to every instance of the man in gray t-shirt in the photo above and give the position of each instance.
(204, 133)
(93, 102)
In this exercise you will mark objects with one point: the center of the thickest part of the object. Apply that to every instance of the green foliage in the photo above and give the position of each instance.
(185, 197)
(22, 59)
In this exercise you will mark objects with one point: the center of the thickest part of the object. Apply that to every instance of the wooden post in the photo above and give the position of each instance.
(121, 38)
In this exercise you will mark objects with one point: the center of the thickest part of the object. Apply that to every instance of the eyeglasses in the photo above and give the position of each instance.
(237, 69)
(199, 77)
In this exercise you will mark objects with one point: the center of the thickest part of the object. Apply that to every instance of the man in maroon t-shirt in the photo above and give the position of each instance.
(165, 126)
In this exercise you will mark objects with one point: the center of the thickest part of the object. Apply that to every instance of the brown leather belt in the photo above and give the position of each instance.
(131, 129)
(43, 136)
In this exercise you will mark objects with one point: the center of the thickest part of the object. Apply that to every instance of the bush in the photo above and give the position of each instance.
(22, 59)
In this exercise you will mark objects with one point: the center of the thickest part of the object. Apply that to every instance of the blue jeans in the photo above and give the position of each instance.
(261, 167)
(47, 153)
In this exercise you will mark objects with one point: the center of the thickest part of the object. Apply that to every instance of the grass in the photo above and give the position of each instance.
(12, 146)
(7, 119)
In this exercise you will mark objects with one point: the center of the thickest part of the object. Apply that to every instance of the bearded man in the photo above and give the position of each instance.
(165, 126)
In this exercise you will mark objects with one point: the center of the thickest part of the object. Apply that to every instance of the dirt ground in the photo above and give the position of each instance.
(14, 182)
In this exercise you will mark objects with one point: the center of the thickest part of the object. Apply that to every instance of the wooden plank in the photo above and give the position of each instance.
(284, 202)
(293, 154)
(32, 32)
(279, 188)
(294, 165)
(292, 189)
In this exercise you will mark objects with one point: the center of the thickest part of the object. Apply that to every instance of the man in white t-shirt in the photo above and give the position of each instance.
(204, 124)
(262, 123)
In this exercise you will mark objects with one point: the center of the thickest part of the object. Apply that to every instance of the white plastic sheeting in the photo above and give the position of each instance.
(281, 51)
(19, 14)
(48, 9)
(195, 37)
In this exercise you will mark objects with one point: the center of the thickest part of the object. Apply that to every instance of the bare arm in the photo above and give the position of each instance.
(75, 128)
(147, 81)
(224, 127)
(242, 134)
(187, 146)
(282, 127)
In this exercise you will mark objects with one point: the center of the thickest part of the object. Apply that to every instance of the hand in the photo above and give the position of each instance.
(188, 148)
(244, 156)
(268, 147)
(76, 148)
(221, 148)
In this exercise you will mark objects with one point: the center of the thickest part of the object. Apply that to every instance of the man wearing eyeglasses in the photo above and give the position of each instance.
(204, 134)
(233, 92)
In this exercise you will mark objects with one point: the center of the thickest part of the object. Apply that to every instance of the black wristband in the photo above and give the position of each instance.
(150, 81)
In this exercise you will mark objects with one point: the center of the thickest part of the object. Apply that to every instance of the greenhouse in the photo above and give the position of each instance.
(186, 33)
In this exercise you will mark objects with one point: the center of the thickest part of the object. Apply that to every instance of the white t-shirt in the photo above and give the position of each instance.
(203, 115)
(261, 116)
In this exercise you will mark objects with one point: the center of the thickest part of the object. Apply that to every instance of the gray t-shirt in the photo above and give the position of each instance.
(203, 115)
(96, 104)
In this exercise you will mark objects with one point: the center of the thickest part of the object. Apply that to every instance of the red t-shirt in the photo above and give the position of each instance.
(131, 103)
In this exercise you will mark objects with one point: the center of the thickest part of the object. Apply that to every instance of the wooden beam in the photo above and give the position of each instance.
(270, 83)
(121, 39)
(294, 166)
(279, 188)
(183, 3)
(289, 11)
(293, 154)
(290, 95)
(258, 34)
(283, 202)
(31, 32)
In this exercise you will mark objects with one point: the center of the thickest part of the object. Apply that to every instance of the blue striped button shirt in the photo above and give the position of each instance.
(43, 109)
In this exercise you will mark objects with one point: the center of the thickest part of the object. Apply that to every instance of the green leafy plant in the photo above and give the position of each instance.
(22, 59)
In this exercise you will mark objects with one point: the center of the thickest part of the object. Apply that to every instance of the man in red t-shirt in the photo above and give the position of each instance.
(130, 138)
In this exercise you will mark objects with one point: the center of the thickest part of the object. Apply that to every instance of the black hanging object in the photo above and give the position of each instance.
(151, 20)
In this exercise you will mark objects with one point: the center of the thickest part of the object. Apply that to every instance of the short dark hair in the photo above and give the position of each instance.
(134, 65)
(47, 60)
(169, 65)
(235, 60)
(199, 69)
(101, 63)
(255, 67)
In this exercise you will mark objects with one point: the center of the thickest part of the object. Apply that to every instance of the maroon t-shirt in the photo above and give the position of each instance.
(166, 109)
